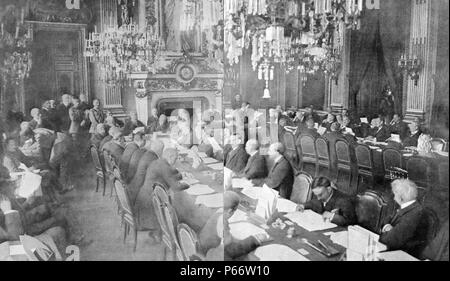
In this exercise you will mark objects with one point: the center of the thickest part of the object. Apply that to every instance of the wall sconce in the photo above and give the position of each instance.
(411, 66)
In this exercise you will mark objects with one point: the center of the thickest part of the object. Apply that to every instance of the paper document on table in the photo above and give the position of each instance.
(241, 182)
(190, 181)
(396, 256)
(252, 191)
(267, 202)
(321, 130)
(286, 206)
(30, 185)
(202, 155)
(238, 216)
(309, 220)
(278, 252)
(15, 250)
(227, 177)
(243, 230)
(209, 160)
(216, 166)
(340, 238)
(211, 200)
(199, 189)
(362, 243)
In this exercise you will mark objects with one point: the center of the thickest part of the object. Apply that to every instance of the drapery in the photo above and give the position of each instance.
(375, 50)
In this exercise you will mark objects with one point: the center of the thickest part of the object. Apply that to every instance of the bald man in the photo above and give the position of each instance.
(281, 176)
(256, 167)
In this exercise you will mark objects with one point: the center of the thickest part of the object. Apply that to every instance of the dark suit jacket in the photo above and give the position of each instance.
(130, 126)
(399, 128)
(104, 141)
(141, 171)
(346, 211)
(133, 164)
(281, 178)
(235, 160)
(152, 124)
(126, 157)
(114, 149)
(412, 140)
(96, 139)
(256, 167)
(380, 134)
(63, 117)
(409, 230)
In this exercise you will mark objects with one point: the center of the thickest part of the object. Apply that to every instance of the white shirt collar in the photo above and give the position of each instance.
(254, 152)
(278, 158)
(406, 204)
(413, 133)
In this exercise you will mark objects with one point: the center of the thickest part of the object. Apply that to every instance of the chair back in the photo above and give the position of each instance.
(438, 144)
(392, 158)
(343, 153)
(432, 224)
(323, 150)
(171, 220)
(443, 174)
(188, 241)
(109, 166)
(419, 171)
(301, 189)
(96, 159)
(289, 141)
(370, 210)
(290, 149)
(124, 201)
(364, 157)
(307, 147)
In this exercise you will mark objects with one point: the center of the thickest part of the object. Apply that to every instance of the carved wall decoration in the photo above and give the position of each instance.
(56, 11)
(171, 84)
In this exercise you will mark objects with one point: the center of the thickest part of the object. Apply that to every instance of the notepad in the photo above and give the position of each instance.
(278, 252)
(286, 206)
(243, 230)
(216, 166)
(209, 160)
(199, 189)
(241, 183)
(321, 130)
(211, 200)
(309, 220)
(238, 216)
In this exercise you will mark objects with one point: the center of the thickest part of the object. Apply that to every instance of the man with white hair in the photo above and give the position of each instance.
(379, 130)
(412, 138)
(256, 165)
(281, 177)
(407, 229)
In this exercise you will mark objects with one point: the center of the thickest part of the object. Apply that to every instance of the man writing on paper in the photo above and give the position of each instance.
(407, 229)
(334, 206)
(234, 248)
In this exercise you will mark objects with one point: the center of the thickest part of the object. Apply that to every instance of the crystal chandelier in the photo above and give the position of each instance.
(123, 50)
(411, 66)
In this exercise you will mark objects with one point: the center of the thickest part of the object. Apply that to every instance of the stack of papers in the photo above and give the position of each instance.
(209, 160)
(362, 244)
(286, 206)
(267, 202)
(241, 183)
(243, 230)
(252, 191)
(309, 220)
(211, 200)
(199, 189)
(238, 216)
(277, 252)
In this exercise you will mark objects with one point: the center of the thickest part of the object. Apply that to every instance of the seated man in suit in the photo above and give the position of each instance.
(115, 145)
(407, 229)
(412, 138)
(327, 122)
(138, 142)
(311, 114)
(309, 130)
(398, 127)
(234, 248)
(99, 135)
(281, 176)
(334, 206)
(256, 165)
(132, 123)
(235, 157)
(152, 122)
(379, 130)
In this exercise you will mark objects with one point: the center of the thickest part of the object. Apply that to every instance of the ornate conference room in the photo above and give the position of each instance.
(224, 130)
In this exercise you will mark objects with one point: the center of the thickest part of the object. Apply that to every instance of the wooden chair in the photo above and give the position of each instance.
(301, 189)
(344, 167)
(188, 243)
(371, 210)
(128, 219)
(99, 169)
(438, 144)
(392, 158)
(419, 171)
(307, 151)
(167, 221)
(364, 161)
(291, 153)
(109, 170)
(323, 155)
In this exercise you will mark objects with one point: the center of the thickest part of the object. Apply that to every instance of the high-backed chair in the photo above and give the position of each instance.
(291, 153)
(344, 177)
(371, 210)
(109, 170)
(168, 222)
(392, 158)
(438, 144)
(323, 155)
(307, 151)
(432, 223)
(419, 171)
(128, 219)
(301, 189)
(441, 183)
(364, 160)
(99, 169)
(188, 243)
